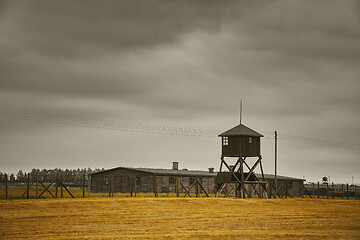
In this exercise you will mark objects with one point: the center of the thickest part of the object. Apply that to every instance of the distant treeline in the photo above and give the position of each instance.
(49, 175)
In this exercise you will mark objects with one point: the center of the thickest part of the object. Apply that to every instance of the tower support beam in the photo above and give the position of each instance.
(239, 177)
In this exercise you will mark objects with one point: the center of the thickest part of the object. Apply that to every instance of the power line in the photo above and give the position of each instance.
(63, 119)
(319, 142)
(104, 124)
(314, 141)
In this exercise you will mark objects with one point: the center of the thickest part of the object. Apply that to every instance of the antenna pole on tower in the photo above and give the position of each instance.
(240, 111)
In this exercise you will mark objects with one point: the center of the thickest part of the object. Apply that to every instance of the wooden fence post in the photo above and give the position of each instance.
(112, 185)
(197, 188)
(342, 191)
(28, 186)
(36, 185)
(156, 186)
(327, 190)
(109, 185)
(318, 189)
(56, 185)
(62, 184)
(135, 186)
(355, 192)
(61, 187)
(333, 191)
(89, 185)
(131, 186)
(177, 187)
(313, 190)
(83, 185)
(347, 191)
(6, 187)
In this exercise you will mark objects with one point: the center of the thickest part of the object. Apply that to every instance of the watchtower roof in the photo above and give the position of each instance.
(240, 130)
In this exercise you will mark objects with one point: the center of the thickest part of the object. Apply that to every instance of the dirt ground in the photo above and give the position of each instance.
(183, 218)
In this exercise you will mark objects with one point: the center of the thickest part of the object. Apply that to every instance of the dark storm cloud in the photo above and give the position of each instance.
(306, 53)
(37, 35)
(125, 51)
(53, 47)
(71, 28)
(114, 50)
(310, 29)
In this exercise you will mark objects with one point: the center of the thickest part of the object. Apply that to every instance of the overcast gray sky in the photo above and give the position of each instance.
(182, 64)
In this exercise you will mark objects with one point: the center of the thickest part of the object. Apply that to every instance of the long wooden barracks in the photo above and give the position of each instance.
(146, 180)
(152, 180)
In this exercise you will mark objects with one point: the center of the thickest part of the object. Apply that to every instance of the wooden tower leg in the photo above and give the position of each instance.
(242, 191)
(236, 190)
(233, 173)
(221, 163)
(244, 181)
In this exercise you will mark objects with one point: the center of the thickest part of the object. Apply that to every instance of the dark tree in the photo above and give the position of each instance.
(20, 177)
(12, 178)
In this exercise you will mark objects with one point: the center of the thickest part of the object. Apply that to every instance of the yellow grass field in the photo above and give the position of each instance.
(179, 218)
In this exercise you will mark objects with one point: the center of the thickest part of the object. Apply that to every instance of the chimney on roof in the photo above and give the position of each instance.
(175, 166)
(211, 170)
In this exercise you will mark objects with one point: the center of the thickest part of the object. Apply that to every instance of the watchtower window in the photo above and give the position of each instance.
(250, 140)
(225, 141)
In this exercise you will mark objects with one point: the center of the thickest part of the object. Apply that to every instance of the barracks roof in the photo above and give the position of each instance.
(188, 173)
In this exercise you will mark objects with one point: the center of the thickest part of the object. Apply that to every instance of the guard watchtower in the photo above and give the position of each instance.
(242, 143)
